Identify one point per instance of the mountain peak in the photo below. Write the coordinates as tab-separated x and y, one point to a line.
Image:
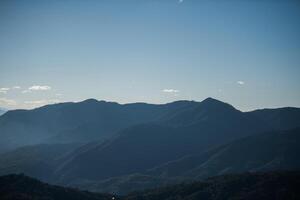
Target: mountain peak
214	103
90	101
210	99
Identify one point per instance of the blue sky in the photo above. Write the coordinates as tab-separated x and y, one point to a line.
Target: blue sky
243	52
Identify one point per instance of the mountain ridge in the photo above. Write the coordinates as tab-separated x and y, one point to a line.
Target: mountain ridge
274	185
123	142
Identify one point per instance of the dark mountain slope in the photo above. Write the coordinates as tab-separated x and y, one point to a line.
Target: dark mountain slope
182	132
264	152
280	118
20	187
217	122
38	161
248	186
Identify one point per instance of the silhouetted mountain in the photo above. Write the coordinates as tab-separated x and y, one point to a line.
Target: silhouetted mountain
254	186
280	118
20	187
248	186
152	144
187	131
38	161
124	185
278	150
75	122
264	152
94	120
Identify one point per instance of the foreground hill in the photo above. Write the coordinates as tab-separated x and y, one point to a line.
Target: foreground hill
248	186
20	187
254	186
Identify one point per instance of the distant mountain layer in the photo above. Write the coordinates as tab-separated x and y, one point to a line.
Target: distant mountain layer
76	122
258	186
92	120
108	147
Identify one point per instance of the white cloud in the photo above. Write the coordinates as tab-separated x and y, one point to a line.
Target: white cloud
39	87
16	87
58	94
7	102
240	82
170	90
4	90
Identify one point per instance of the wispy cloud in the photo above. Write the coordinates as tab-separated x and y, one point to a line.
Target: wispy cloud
180	1
35	102
54	101
16	87
39	87
42	102
7	102
170	90
240	82
25	91
4	90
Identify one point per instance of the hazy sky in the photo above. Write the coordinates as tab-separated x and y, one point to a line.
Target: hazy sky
244	52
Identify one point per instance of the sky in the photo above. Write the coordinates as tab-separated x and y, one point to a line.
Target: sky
244	52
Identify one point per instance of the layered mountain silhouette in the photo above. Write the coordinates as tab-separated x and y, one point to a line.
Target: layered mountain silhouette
109	147
259	186
277	150
37	160
94	120
13	187
138	148
77	122
271	185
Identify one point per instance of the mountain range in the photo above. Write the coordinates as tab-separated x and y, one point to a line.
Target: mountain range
110	147
246	186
